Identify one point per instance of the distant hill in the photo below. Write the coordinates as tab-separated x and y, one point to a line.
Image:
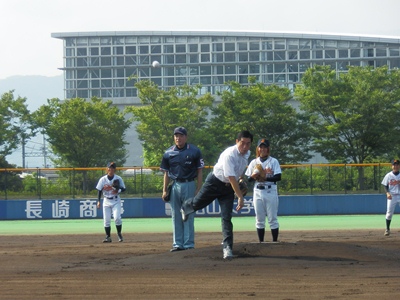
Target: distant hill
35	88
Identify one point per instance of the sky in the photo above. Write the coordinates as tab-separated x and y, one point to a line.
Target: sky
27	47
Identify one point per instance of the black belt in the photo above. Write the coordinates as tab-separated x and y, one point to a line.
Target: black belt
220	181
112	198
184	180
263	187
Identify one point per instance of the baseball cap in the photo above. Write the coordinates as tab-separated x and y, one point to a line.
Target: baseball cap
180	130
111	165
395	162
264	142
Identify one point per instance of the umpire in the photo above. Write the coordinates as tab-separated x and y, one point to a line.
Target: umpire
182	163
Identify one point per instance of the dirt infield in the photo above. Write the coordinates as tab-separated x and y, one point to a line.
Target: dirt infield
304	265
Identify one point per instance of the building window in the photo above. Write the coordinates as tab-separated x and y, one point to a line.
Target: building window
168	49
355	53
279	44
242	46
81	52
155	49
343	53
229	57
292	55
305	54
180	59
180	48
381	52
119	50
194	58
217	47
229	47
279	55
94	51
105	50
394	52
243	56
330	53
205	47
254	56
254	46
317	54
205	57
193	48
130	50
70	52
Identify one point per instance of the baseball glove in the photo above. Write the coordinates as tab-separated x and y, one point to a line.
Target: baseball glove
167	197
258	173
116	185
242	186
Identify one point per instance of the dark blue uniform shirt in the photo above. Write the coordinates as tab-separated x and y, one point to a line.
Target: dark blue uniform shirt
182	164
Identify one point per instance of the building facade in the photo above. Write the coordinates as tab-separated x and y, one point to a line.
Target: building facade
102	64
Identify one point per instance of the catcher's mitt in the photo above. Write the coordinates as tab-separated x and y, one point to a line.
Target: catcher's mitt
115	184
242	186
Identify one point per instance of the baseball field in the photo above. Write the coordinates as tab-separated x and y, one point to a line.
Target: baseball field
318	257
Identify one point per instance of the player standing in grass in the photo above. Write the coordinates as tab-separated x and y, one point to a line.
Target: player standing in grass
111	185
391	182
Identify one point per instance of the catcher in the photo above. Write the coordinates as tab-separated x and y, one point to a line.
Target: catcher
265	171
222	183
111	185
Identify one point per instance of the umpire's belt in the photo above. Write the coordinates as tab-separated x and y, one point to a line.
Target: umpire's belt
184	180
263	187
112	198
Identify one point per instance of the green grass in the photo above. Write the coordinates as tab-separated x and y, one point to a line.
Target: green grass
202	224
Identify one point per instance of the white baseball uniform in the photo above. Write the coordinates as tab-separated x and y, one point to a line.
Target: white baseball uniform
265	194
393	182
112	200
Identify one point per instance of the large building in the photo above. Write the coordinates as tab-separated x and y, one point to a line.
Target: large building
100	63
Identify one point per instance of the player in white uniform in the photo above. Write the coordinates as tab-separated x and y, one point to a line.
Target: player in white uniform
111	185
391	182
265	195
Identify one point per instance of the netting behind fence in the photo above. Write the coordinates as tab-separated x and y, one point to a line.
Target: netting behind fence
67	183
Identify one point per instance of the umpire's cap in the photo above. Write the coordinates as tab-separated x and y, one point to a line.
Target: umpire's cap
180	130
395	162
264	142
111	165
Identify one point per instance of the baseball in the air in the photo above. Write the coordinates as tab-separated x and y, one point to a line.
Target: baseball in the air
155	64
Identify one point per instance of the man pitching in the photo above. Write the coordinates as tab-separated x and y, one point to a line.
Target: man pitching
111	185
391	182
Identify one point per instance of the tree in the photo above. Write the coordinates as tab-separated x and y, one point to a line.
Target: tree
16	125
84	133
354	114
264	111
162	111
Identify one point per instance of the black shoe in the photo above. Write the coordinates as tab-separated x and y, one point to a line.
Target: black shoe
120	238
107	240
176	249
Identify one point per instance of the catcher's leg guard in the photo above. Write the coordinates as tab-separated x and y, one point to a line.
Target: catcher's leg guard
275	233
261	233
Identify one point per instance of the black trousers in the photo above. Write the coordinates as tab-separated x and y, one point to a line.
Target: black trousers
214	189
